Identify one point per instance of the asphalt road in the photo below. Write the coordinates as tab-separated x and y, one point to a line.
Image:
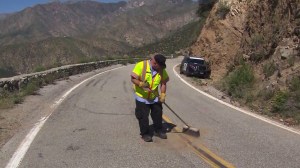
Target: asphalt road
93	125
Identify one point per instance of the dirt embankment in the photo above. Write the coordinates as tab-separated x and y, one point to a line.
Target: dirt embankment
220	39
264	34
247	30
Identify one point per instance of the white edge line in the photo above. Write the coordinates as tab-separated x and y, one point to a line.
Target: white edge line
19	154
22	149
238	109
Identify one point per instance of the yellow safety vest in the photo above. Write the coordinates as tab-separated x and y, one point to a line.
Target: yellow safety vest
142	71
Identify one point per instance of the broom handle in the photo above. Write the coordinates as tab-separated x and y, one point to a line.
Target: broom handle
175	114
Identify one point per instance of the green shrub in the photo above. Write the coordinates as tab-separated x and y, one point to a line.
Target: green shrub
239	81
49	79
269	69
223	9
82	60
256	40
230	68
288	105
109	57
55	65
257	55
40	68
295	89
31	87
291	61
5	102
266	94
295	84
131	61
17	99
291	113
9	99
280	99
249	97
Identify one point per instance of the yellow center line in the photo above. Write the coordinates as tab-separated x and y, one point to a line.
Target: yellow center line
201	151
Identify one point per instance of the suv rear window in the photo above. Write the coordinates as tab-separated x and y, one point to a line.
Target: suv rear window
198	61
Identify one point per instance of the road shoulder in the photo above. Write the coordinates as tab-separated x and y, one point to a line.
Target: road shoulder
206	86
23	116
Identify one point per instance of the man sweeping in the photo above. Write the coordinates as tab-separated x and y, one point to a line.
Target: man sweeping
149	77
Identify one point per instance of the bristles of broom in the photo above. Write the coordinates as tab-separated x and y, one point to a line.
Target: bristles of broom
191	131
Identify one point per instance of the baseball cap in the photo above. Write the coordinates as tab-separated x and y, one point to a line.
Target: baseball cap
161	60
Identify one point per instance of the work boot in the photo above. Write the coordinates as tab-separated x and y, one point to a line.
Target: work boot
147	138
161	134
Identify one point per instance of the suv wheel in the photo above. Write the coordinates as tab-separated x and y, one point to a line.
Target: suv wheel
207	75
180	71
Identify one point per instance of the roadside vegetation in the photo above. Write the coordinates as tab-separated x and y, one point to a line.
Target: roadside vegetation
242	85
223	9
240	82
9	99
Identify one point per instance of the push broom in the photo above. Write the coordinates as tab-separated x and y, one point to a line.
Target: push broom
187	129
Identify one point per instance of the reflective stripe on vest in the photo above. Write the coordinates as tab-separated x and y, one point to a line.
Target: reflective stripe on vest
144	71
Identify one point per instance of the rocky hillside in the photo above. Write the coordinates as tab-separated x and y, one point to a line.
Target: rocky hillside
86	30
255	46
3	16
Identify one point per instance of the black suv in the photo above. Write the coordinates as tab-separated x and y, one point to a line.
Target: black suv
195	66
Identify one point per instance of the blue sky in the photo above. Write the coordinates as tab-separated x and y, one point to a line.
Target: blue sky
9	6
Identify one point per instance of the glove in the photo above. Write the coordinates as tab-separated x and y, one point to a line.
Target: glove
144	84
162	97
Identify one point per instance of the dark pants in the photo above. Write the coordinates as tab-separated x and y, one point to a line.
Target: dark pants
142	112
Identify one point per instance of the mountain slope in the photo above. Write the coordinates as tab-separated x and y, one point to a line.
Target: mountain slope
105	28
47	53
54	19
175	41
146	23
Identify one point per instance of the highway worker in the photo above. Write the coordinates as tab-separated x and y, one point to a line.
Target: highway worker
147	76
